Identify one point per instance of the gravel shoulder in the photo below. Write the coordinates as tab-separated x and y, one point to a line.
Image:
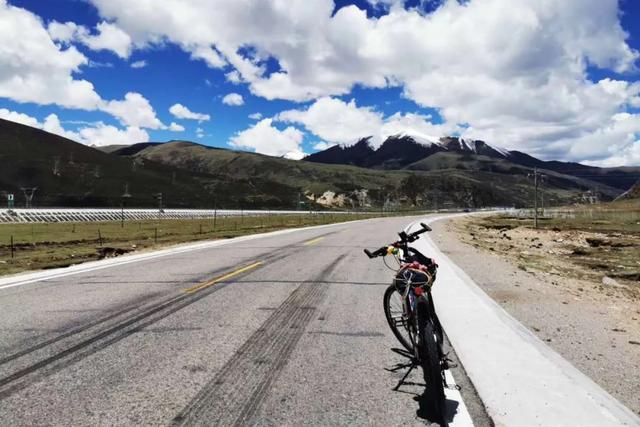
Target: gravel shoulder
595	329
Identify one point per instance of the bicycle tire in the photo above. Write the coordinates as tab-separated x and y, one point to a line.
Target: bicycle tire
429	352
393	321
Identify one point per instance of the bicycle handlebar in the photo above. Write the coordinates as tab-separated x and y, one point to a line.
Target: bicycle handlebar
404	239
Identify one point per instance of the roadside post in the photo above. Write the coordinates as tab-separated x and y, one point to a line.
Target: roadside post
10	201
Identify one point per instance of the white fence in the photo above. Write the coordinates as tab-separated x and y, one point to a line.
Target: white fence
86	215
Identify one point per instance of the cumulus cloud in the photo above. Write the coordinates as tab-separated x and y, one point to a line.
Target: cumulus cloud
265	138
182	112
103	134
233	99
109	36
339	122
513	70
34	69
21	118
175	127
233	77
255	116
135	110
322	145
139	64
96	134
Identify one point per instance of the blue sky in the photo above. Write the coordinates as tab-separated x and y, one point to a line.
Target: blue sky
427	78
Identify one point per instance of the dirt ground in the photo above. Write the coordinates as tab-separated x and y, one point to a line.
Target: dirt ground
590	318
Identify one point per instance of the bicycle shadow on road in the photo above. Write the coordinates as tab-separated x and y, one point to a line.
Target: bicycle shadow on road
425	411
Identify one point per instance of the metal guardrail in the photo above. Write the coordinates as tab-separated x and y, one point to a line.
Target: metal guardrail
89	215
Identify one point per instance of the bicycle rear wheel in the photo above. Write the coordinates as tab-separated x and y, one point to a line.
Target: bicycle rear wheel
393	312
429	352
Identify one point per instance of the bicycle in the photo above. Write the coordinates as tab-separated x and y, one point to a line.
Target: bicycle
410	312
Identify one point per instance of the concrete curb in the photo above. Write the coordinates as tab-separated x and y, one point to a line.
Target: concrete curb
519	378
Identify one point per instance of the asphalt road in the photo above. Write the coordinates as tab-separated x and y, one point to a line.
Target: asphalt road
280	330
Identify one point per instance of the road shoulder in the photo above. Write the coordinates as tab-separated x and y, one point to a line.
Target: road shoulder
592	336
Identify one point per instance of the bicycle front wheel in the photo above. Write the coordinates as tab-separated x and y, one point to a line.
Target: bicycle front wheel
429	352
395	316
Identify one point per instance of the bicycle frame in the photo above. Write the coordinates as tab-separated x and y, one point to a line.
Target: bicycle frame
415	306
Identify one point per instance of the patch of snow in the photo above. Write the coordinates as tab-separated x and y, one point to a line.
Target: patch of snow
471	145
502	151
422	139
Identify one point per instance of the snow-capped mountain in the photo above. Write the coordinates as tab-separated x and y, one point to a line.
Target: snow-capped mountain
418	152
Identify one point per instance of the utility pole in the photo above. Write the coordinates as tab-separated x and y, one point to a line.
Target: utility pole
159	197
29	192
124	196
537	178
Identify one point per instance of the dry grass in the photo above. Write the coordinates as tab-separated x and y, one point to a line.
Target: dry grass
579	242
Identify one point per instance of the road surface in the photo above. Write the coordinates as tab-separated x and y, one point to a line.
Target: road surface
285	329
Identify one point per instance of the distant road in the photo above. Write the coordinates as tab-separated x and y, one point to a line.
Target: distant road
281	329
97	214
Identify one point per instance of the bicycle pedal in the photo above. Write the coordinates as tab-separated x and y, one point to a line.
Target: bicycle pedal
449	365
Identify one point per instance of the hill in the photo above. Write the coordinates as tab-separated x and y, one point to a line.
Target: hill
631	194
67	173
416	185
191	175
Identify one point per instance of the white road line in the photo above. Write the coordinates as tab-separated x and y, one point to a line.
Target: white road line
461	418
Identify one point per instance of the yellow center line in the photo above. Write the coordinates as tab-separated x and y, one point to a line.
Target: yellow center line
219	279
311	242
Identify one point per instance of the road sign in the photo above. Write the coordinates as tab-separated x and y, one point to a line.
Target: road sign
10	201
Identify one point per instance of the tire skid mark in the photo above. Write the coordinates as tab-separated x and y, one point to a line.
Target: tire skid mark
69	333
235	394
83	345
59	352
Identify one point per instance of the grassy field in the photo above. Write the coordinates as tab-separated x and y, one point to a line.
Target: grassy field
50	245
596	243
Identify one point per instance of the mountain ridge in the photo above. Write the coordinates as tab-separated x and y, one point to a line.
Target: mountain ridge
403	151
188	174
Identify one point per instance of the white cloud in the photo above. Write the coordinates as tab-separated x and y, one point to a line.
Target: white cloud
109	36
63	32
209	55
233	77
255	116
199	132
34	69
182	112
233	99
139	64
107	135
97	134
175	127
322	145
135	110
514	70
18	117
265	138
338	122
52	125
